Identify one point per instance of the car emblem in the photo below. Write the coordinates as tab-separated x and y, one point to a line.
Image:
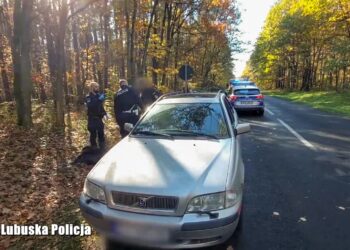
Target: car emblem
142	202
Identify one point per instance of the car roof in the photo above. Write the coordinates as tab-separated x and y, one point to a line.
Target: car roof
195	97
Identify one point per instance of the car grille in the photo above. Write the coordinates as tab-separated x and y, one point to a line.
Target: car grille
144	201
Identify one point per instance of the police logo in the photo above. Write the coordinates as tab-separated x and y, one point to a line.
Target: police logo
122	91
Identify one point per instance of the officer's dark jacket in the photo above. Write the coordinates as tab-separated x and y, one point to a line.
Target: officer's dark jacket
149	95
94	103
125	99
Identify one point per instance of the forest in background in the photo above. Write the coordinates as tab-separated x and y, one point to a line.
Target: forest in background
51	49
304	45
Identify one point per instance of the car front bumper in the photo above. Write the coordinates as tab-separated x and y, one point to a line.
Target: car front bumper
188	231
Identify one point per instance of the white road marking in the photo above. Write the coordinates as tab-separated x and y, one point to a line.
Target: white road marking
297	135
269	111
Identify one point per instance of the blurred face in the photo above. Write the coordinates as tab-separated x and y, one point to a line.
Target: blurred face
122	83
95	88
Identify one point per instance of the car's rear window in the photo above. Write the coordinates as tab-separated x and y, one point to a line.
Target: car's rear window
247	92
242	83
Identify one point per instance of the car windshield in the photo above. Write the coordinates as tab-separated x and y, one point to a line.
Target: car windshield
184	119
247	92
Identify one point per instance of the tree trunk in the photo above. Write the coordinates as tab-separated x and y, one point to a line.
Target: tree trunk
337	74
148	33
131	45
119	34
344	77
176	61
330	86
6	28
55	36
4	76
127	31
60	58
307	75
106	44
77	63
22	37
168	41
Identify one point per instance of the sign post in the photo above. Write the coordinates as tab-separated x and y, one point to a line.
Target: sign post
186	73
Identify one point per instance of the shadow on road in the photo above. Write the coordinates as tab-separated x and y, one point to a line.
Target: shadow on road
231	244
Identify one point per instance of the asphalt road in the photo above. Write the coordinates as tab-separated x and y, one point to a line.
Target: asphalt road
297	193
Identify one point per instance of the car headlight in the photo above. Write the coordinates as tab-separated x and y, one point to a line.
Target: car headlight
212	202
94	191
206	203
231	198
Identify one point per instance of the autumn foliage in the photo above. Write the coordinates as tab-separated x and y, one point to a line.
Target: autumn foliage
71	42
304	45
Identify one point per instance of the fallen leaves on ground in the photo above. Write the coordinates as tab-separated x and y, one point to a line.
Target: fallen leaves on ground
38	185
302	219
275	214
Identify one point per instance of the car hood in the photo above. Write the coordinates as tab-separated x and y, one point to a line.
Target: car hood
179	167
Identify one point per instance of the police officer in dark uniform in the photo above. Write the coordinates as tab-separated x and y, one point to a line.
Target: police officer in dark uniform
149	95
96	112
126	106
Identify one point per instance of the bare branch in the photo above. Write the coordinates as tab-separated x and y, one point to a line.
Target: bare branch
81	9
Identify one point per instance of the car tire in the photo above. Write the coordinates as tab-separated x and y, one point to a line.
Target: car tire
109	244
260	112
240	222
240	219
112	245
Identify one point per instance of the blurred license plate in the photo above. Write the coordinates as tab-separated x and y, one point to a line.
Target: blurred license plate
246	103
143	233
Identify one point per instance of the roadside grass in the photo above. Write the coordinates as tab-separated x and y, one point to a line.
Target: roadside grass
38	183
329	101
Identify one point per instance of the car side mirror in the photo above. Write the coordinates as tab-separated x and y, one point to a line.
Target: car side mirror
242	128
128	127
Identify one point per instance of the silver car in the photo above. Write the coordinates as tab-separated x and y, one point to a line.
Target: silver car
176	181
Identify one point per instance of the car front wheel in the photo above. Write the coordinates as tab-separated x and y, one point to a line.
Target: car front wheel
260	112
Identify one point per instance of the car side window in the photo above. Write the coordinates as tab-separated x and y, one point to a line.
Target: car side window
229	111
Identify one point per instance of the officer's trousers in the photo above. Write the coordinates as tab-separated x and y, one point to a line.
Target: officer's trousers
96	129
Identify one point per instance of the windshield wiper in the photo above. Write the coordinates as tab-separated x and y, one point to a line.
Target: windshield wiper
187	132
151	133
